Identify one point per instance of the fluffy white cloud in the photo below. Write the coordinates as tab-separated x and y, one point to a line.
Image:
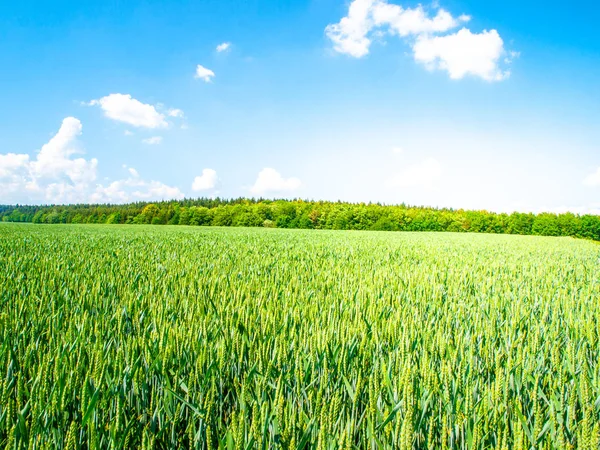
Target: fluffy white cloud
124	108
271	181
405	22
55	176
352	34
14	175
223	47
463	53
208	180
204	74
12	163
592	180
349	35
423	174
154	140
54	159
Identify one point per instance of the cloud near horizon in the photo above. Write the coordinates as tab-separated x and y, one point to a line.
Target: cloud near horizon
134	188
54	176
208	180
269	181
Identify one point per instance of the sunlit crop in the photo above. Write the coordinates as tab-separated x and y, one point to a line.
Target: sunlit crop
177	337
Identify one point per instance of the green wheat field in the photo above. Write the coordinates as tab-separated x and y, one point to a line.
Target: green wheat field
236	338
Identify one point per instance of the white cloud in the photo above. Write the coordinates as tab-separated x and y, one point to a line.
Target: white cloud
592	180
397	150
423	174
154	140
132	189
174	112
204	74
14	176
405	22
351	35
124	108
128	133
54	159
271	181
55	176
208	180
463	53
223	47
11	163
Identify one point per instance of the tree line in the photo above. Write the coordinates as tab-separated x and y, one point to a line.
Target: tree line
298	213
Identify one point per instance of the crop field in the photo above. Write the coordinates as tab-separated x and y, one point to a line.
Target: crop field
180	337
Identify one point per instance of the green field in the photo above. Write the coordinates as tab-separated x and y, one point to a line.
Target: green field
167	337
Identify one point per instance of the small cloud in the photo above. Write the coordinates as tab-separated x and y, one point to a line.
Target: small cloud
271	181
128	133
511	56
593	180
154	140
134	173
397	150
208	180
124	108
223	47
174	112
204	74
425	174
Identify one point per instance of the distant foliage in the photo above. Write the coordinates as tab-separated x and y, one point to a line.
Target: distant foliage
309	214
196	338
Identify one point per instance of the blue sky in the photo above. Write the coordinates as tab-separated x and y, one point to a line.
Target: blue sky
466	104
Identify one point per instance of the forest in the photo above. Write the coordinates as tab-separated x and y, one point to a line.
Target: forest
243	212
